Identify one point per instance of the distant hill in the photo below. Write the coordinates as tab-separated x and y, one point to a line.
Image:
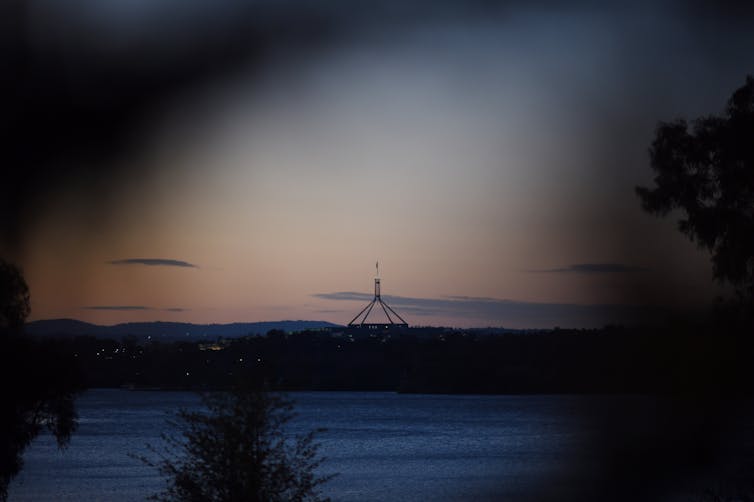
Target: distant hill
167	331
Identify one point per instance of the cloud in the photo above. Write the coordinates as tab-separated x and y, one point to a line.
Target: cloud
117	307
153	262
174	309
593	268
344	295
503	312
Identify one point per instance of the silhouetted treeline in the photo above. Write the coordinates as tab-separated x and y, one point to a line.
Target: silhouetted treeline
665	359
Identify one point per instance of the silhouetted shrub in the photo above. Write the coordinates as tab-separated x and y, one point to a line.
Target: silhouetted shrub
238	450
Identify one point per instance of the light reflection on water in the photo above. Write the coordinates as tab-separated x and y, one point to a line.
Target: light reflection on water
384	446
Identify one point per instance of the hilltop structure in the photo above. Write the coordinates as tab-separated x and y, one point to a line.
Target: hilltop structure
360	321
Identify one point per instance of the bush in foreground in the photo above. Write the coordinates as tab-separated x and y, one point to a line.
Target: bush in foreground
238	450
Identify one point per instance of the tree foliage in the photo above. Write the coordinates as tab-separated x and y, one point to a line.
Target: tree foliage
238	450
14	298
37	384
705	169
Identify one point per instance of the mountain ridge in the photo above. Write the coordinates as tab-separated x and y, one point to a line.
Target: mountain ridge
167	330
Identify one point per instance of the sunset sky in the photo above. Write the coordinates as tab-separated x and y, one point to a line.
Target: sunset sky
485	155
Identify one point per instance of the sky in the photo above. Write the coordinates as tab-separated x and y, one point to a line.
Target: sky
230	161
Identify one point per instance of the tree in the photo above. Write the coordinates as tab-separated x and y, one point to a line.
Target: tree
14	298
38	384
237	450
705	169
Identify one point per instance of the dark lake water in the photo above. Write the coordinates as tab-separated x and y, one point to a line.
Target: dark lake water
384	446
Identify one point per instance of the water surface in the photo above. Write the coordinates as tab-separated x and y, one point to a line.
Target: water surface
384	446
